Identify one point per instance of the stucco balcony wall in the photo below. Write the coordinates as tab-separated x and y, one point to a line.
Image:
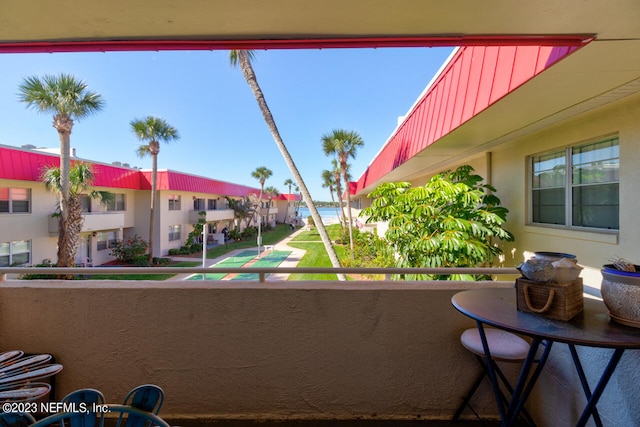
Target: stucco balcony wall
301	350
212	215
93	222
251	350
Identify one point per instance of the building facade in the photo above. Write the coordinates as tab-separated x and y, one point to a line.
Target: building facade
30	224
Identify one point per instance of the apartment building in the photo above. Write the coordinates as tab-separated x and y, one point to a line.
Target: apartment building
30	226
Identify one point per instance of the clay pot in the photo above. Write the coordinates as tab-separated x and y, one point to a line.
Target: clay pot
621	294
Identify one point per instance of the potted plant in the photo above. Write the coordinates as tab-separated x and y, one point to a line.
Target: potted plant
621	291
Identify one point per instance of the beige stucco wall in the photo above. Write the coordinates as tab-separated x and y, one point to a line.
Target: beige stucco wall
284	350
32	226
252	350
593	248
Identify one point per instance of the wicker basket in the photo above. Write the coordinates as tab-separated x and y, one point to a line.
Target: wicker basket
560	301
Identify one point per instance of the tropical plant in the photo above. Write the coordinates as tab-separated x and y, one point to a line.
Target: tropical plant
69	100
130	251
153	130
448	222
244	208
338	179
329	181
343	144
243	59
289	183
80	180
261	173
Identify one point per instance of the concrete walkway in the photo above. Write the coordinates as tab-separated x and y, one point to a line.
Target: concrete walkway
291	260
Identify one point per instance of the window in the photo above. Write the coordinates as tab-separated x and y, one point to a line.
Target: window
15	253
174	203
588	196
212	204
106	240
198	205
117	204
15	200
85	202
174	232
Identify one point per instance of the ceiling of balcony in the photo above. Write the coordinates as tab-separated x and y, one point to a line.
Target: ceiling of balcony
74	20
596	74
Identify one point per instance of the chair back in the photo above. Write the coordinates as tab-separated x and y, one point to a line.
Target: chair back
121	414
147	397
16	419
83	401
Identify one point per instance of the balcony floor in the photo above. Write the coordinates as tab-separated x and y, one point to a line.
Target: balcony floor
330	423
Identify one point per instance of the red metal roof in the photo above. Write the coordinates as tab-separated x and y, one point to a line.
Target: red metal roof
178	181
27	165
291	197
475	78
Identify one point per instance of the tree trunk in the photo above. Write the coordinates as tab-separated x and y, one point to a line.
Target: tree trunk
349	212
64	244
152	210
250	77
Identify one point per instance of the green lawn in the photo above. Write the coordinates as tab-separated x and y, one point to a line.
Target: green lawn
313	236
142	276
316	256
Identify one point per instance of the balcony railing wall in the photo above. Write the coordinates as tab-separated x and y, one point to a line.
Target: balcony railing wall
308	350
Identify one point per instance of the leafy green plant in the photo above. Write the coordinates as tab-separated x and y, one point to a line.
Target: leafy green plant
451	221
127	251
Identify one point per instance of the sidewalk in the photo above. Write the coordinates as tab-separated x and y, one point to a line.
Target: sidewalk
291	261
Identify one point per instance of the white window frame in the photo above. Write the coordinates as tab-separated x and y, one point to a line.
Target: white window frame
569	186
174	232
11	198
118	204
8	250
175	202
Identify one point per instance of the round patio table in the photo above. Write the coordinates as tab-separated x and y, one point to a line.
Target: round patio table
591	328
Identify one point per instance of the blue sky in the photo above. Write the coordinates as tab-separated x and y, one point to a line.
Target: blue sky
223	135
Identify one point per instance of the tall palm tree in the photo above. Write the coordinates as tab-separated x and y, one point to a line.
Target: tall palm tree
261	173
329	181
80	180
243	59
289	183
338	180
152	130
69	100
343	144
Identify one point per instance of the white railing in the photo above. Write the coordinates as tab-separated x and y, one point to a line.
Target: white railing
262	272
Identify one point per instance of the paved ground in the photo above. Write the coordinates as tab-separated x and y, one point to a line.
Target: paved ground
291	260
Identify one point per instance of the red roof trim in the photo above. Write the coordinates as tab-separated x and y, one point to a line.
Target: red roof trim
309	43
26	165
474	79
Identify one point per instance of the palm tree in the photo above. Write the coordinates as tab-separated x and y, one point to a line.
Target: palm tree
69	100
152	130
80	179
243	59
329	181
343	144
338	180
261	173
289	183
271	192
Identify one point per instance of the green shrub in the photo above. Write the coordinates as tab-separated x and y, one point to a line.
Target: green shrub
161	261
185	250
174	251
127	251
141	261
310	221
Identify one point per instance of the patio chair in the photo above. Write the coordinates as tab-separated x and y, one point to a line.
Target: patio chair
16	419
120	414
504	347
147	397
84	398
